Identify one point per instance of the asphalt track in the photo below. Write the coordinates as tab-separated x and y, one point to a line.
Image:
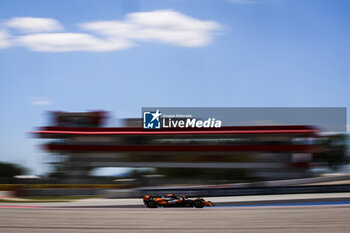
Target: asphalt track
279	214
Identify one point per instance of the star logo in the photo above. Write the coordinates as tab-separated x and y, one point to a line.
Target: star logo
156	115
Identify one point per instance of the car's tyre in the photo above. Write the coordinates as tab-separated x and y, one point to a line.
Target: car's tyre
198	203
152	204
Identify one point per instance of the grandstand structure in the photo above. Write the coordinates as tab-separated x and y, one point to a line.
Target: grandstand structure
84	143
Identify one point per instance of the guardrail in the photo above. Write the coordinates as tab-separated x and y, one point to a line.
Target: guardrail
211	192
12	187
58	189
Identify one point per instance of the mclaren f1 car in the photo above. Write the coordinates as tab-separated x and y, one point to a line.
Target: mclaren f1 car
171	200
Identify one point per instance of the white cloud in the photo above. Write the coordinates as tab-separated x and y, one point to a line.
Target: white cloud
5	39
243	1
165	26
33	25
40	101
63	42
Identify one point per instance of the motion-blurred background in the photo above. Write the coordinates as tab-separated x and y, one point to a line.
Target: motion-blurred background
75	74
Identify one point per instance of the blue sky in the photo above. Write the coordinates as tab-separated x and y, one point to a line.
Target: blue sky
200	53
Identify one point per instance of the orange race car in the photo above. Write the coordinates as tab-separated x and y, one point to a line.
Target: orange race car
171	200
